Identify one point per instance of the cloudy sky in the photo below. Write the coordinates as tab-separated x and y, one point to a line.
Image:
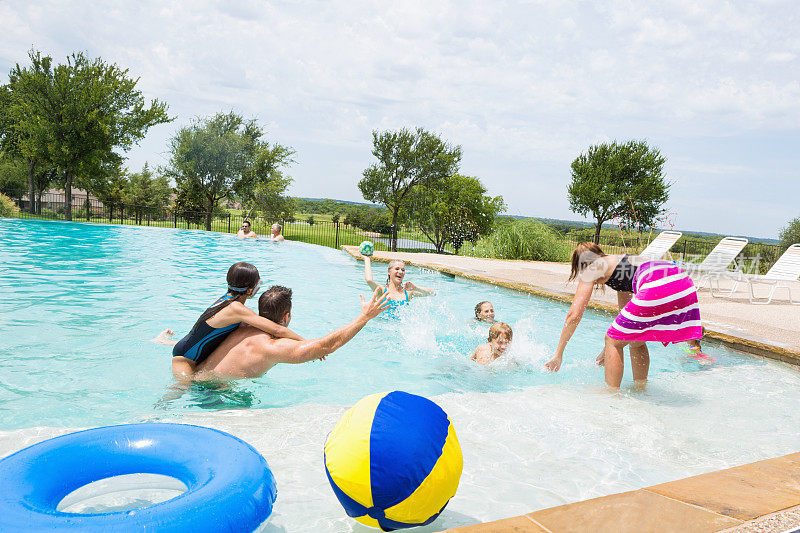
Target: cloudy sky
523	87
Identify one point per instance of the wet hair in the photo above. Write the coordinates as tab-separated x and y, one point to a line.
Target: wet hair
392	262
478	307
500	328
275	303
584	255
247	222
278	226
241	277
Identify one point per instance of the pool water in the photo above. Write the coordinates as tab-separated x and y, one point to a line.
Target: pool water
80	302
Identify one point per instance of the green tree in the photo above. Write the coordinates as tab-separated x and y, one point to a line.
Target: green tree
310	220
791	233
335	218
111	190
223	157
405	159
455	209
375	220
12	176
146	191
86	113
625	180
20	138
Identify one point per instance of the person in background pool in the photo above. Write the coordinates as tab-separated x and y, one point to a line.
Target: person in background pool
399	293
220	320
500	335
484	312
657	302
250	353
275	233
245	232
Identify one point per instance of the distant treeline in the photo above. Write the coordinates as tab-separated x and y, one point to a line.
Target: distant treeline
377	217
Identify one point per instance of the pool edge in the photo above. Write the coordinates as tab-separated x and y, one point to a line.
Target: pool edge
759	496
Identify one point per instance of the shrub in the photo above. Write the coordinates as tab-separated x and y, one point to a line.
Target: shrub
7	207
522	239
791	233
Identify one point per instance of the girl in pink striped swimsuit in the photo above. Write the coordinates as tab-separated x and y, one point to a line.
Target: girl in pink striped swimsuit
657	302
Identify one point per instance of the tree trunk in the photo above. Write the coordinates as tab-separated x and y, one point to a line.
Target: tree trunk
39	202
209	213
393	236
68	196
597	231
31	186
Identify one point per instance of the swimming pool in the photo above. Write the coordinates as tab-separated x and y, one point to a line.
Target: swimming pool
81	300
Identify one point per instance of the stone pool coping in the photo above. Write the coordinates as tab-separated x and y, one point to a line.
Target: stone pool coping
732	331
756	497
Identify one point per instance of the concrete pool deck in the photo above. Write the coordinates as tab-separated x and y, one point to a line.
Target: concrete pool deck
771	330
756	497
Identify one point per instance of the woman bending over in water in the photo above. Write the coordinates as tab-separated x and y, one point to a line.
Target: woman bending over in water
219	321
657	302
399	293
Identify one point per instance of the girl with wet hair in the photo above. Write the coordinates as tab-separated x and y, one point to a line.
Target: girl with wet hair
399	293
219	320
484	312
657	302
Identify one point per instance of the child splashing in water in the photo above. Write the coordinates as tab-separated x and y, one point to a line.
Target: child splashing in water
399	293
219	321
500	335
484	312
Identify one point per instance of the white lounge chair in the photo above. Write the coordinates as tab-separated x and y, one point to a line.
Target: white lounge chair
715	265
661	245
784	272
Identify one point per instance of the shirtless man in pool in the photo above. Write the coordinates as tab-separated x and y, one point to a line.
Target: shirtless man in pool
249	352
246	232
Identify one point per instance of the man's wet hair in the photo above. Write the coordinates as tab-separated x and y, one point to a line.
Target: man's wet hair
275	303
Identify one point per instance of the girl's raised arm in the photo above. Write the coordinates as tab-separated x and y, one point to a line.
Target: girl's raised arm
368	273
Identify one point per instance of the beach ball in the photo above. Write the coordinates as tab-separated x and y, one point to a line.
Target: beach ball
366	248
394	461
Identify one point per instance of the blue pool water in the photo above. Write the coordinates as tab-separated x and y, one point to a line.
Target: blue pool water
80	301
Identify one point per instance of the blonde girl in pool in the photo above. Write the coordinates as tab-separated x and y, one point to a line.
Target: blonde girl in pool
399	293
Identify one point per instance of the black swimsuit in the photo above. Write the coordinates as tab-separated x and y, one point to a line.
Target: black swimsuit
622	278
203	339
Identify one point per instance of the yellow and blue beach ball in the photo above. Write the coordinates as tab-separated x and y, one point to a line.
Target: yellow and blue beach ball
394	461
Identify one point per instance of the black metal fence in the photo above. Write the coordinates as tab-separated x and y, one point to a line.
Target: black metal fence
755	258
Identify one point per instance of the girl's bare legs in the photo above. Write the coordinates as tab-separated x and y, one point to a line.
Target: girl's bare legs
613	362
640	363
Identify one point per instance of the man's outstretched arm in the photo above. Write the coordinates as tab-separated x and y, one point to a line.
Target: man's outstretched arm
291	351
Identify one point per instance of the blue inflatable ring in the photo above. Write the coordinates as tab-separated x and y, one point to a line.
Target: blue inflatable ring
229	484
